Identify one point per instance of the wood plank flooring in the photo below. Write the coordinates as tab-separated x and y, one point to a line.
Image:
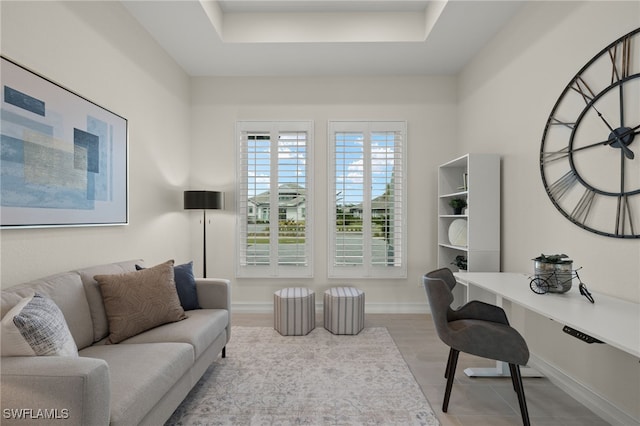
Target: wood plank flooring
474	401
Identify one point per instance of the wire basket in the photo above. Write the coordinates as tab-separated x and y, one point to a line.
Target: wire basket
557	275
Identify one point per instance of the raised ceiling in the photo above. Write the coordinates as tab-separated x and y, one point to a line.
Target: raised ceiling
329	37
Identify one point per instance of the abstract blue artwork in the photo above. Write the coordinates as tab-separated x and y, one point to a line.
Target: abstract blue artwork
63	158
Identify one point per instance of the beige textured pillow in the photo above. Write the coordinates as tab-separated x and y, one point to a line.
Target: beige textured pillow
138	301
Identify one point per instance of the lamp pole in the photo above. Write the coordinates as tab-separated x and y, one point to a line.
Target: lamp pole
204	200
204	243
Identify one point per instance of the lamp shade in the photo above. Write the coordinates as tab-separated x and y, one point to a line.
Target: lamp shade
203	200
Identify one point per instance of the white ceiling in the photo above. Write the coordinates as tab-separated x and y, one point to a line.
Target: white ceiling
328	37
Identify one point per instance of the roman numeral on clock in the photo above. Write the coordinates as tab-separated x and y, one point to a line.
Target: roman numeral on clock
624	216
549	157
555	122
583	208
621	60
561	186
581	86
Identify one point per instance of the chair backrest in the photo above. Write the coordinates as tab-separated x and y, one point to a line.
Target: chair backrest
438	285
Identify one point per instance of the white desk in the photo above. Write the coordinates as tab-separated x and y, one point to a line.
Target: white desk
611	320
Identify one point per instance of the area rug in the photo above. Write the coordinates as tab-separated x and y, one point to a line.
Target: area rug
317	379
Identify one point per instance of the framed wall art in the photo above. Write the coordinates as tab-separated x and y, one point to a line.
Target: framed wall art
63	158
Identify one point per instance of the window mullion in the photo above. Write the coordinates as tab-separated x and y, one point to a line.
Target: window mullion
274	208
367	235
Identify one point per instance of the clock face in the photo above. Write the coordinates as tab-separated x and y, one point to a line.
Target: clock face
590	152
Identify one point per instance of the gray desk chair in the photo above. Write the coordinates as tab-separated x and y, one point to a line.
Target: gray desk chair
476	328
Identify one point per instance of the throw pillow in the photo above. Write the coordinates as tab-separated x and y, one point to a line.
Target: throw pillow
34	327
185	285
138	301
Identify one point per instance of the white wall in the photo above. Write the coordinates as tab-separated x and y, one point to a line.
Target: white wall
428	105
98	50
505	97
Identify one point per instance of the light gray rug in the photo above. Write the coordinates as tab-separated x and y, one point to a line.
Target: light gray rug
317	379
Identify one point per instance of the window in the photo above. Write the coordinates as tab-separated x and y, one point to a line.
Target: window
367	197
274	199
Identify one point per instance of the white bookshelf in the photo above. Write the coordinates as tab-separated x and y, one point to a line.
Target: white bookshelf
475	178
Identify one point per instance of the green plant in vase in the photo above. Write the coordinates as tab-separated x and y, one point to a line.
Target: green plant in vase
458	204
461	262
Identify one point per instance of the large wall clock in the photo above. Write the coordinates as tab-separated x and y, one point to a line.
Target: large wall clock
590	152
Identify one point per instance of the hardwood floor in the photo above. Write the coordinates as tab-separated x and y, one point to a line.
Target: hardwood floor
474	401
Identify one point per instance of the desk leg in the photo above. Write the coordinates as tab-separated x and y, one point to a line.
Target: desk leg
500	370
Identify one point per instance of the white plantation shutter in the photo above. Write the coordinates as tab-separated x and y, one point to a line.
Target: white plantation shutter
367	199
274	199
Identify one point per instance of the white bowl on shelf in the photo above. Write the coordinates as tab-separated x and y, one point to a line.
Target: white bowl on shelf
458	232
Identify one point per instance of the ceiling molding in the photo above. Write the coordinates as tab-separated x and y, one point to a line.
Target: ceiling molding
329	37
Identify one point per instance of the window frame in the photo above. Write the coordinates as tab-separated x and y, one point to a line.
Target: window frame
274	269
368	269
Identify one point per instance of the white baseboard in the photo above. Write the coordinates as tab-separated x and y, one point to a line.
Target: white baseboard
370	308
581	393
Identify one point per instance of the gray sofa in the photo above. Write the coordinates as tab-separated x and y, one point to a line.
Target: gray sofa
141	380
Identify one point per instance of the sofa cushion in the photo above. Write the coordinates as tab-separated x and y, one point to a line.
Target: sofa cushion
200	329
67	291
185	285
36	326
141	375
140	300
94	295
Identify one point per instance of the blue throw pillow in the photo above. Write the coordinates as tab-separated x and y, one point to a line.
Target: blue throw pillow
185	285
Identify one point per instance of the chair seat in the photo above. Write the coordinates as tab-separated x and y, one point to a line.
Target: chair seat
488	340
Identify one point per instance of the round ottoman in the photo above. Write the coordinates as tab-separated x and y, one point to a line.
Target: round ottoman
294	311
344	310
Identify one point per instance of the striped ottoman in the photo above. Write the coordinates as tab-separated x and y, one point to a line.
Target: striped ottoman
294	311
344	310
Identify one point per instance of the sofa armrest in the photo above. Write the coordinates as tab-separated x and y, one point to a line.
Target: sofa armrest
55	390
214	293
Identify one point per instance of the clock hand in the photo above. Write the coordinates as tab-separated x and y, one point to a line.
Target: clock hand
616	140
627	152
621	105
629	132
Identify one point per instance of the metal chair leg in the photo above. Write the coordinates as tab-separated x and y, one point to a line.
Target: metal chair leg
517	381
451	372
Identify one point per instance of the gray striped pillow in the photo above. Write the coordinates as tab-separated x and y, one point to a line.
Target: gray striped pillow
43	328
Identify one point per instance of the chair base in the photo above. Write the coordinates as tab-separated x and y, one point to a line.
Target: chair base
501	370
516	379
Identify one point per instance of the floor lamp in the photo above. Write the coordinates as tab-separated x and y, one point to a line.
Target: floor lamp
203	200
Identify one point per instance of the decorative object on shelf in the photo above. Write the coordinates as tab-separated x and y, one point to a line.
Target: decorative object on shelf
458	232
64	158
553	273
458	204
461	262
204	200
465	182
591	129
